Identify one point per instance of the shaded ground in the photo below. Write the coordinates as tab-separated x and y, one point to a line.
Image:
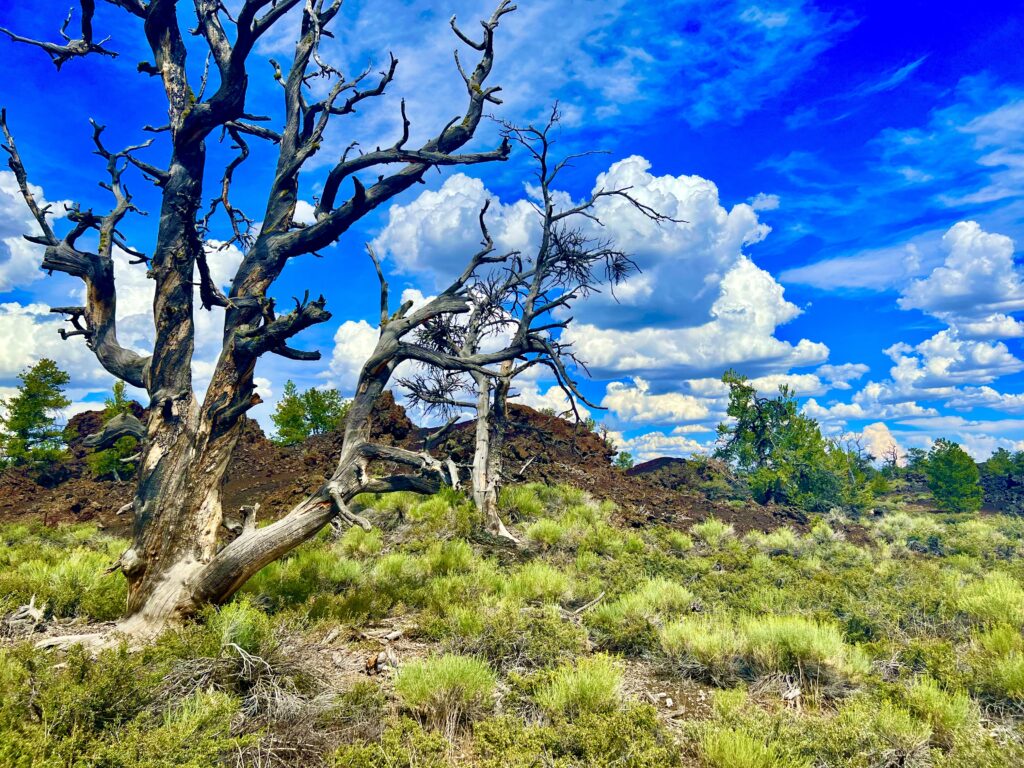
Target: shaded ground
539	448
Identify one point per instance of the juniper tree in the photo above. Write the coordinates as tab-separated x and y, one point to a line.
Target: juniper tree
178	558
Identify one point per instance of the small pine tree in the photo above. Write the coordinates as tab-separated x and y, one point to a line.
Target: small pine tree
953	477
115	461
289	416
29	434
301	414
624	460
325	410
118	403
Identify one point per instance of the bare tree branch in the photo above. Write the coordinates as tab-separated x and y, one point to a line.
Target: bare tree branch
72	48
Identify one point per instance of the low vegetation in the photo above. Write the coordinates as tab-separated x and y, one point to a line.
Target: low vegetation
889	640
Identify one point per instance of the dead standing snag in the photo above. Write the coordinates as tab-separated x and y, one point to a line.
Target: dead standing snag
176	561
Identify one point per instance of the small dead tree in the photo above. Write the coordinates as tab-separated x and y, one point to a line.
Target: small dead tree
177	560
521	306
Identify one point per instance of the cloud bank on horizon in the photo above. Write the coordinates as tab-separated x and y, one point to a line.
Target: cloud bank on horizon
846	224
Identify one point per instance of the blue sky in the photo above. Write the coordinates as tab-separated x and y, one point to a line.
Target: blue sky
851	176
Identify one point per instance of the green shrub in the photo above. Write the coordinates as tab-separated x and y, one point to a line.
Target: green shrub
868	732
446	691
679	542
995	599
948	713
591	685
447	557
539	582
196	733
522	502
723	651
703	646
308	571
736	748
630	737
629	623
713	532
359	542
70	582
402	745
546	533
113	462
781	541
997	660
240	623
398	577
510	635
795	644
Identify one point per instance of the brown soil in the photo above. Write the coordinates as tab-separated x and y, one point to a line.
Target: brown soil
539	448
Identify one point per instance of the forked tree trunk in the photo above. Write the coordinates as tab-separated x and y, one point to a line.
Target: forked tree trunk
176	561
178	517
491	419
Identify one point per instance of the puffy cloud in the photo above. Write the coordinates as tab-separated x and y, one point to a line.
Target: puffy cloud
698	306
867	405
879	442
986	397
740	333
354	341
635	404
764	202
30	333
435	235
945	359
840	376
802	384
19	259
975	288
533	394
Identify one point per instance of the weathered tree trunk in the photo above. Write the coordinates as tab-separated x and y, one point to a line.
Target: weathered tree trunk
491	418
176	561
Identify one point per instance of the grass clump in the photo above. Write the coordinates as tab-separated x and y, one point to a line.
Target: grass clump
521	502
949	713
788	644
546	533
736	748
996	658
724	651
510	635
307	572
359	542
447	557
995	599
630	737
591	686
64	568
630	623
713	532
446	691
538	582
703	646
781	541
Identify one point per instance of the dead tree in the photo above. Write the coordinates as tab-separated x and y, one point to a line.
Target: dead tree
177	561
525	296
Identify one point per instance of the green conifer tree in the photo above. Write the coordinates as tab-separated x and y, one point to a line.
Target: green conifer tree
29	434
953	477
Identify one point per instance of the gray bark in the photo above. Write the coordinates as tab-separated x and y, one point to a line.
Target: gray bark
175	562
